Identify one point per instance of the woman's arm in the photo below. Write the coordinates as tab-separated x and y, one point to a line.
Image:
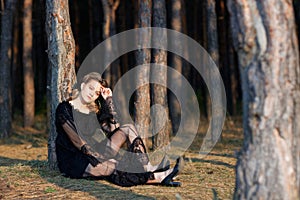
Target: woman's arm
80	144
64	120
73	136
108	116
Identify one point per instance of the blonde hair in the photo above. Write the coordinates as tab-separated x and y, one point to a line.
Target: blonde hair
93	106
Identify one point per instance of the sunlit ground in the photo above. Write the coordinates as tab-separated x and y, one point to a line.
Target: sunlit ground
24	172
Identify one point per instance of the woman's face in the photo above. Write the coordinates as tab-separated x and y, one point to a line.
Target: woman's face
90	91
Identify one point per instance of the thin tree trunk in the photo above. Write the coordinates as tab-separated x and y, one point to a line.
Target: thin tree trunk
112	73
186	67
234	75
91	23
106	29
5	69
39	46
176	63
75	23
27	65
160	131
264	36
143	57
212	41
61	54
16	77
124	25
97	18
224	64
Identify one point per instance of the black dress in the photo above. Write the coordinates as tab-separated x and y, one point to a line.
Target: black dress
71	161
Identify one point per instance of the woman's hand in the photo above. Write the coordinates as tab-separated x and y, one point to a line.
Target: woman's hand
106	92
91	155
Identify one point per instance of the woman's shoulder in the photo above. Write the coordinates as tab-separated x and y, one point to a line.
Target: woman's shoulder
63	105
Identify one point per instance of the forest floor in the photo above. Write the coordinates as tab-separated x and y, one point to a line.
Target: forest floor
24	172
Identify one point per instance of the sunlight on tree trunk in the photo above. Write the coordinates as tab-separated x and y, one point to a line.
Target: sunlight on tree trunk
61	54
176	63
159	75
143	57
265	37
29	98
212	42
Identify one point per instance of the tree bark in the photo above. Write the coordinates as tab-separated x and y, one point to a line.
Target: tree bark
61	55
5	69
265	38
29	100
161	132
17	76
75	24
224	64
143	57
109	28
297	16
176	63
212	41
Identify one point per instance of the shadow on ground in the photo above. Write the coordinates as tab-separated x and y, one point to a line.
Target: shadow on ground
214	162
19	168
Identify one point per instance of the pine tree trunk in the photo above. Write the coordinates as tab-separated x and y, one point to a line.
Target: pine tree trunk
91	23
234	76
143	57
29	100
109	29
75	23
16	79
5	69
39	54
176	63
106	34
61	55
264	36
297	16
212	41
224	64
160	131
97	19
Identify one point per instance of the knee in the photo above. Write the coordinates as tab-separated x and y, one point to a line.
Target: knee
128	126
102	169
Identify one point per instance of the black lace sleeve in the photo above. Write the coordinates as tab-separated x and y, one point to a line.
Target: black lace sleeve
107	110
64	120
107	116
68	137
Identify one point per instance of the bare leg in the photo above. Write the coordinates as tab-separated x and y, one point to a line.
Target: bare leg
102	169
130	131
126	133
115	143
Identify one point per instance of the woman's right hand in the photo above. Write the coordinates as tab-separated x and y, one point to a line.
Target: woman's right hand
91	155
106	92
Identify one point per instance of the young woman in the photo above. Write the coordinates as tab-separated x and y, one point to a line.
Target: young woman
82	152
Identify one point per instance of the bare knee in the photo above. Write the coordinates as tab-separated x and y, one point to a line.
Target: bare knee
102	169
130	131
128	127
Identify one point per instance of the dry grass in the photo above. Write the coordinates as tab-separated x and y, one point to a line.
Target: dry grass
24	173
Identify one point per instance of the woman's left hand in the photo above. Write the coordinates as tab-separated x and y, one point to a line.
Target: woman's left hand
106	92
